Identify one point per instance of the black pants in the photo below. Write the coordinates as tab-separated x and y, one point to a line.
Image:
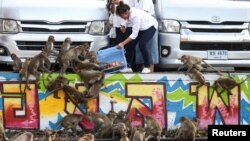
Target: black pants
142	39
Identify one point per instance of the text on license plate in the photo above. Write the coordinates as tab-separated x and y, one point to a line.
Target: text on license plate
217	54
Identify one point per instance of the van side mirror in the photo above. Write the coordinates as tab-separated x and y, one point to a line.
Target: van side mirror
154	1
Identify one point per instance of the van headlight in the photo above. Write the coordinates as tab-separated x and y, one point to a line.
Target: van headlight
99	28
171	26
9	26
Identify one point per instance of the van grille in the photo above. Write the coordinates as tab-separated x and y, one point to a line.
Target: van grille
58	27
39	45
210	23
215	46
218	30
208	27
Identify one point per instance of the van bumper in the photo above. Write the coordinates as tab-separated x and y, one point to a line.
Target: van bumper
172	42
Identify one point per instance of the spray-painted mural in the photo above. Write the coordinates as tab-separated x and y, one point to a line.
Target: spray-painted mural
165	96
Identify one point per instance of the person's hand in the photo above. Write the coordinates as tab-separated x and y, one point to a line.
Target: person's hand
115	1
120	45
123	28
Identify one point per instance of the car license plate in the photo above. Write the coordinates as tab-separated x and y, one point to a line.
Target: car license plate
217	54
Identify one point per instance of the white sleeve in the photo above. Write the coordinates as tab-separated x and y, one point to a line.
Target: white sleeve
111	19
146	5
136	22
123	22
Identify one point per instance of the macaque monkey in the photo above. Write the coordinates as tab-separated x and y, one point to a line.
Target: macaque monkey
102	124
91	56
87	137
93	91
23	72
70	121
85	65
64	48
191	61
36	63
66	45
73	54
2	132
226	84
26	136
187	130
122	129
138	134
17	63
121	117
74	94
198	76
152	127
90	76
124	135
49	46
196	122
56	85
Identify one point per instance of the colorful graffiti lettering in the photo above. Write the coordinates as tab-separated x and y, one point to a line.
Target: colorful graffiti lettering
20	110
165	96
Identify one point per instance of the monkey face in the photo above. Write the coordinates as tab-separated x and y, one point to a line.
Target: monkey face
68	40
182	119
122	115
184	59
13	56
51	38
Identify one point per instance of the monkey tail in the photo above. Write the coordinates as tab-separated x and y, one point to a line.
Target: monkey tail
53	91
219	72
26	80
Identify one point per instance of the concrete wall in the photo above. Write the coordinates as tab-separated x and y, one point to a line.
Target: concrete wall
167	96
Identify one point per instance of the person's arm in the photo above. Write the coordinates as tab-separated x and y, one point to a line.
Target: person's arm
115	1
112	8
122	44
135	31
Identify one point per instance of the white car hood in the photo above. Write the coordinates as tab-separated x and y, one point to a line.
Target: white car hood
204	10
54	10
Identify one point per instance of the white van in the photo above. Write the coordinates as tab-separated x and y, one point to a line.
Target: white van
26	24
216	30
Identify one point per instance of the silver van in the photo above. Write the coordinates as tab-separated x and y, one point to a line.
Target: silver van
216	30
26	24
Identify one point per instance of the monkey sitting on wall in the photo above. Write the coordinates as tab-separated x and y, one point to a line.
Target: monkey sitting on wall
36	64
194	62
198	76
17	63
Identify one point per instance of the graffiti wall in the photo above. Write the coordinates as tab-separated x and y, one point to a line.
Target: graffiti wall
166	96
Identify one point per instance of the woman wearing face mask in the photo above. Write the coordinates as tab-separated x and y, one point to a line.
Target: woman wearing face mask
143	28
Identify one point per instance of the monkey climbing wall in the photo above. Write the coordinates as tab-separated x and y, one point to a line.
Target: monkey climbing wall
167	96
